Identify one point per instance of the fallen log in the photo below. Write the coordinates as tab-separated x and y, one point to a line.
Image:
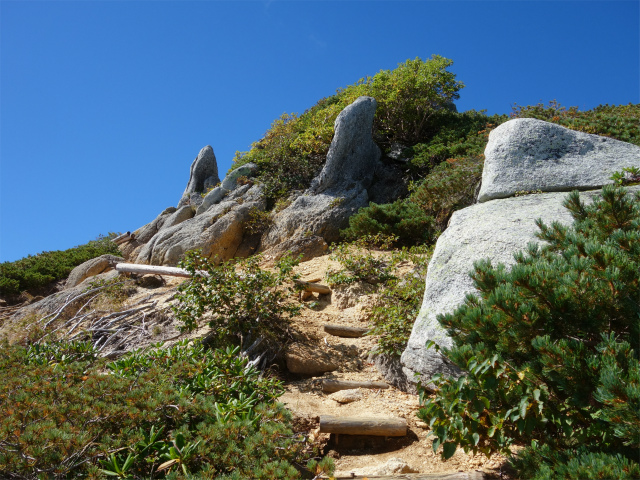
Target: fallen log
347	332
420	476
152	270
123	238
313	287
330	386
384	427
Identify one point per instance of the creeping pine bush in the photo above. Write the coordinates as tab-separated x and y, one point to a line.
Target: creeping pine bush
165	412
550	348
37	271
243	302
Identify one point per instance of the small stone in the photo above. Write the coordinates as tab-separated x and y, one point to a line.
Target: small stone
346	396
422	425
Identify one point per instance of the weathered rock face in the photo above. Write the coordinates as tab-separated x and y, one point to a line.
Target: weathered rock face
352	153
341	187
526	154
516	160
215	224
91	268
218	232
204	174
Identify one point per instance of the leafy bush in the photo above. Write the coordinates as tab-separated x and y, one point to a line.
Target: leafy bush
176	410
551	348
424	215
359	264
399	301
37	271
402	219
244	302
293	151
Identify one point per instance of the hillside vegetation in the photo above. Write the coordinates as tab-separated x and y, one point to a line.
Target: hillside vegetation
36	271
201	411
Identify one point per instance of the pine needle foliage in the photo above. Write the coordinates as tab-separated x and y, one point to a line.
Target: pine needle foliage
183	411
551	347
37	271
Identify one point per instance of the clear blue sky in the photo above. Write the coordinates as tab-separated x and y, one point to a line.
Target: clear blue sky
104	105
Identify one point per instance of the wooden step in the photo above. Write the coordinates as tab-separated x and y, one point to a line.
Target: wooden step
347	332
330	386
420	476
383	427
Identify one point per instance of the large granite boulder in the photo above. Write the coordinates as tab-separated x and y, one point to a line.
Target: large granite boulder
526	154
229	183
341	187
203	175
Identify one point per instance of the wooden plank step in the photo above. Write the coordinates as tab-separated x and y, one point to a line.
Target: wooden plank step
384	427
330	386
347	332
420	476
313	287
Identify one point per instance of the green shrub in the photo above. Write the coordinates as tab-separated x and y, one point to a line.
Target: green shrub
551	347
243	302
399	301
359	264
424	215
402	219
37	271
165	411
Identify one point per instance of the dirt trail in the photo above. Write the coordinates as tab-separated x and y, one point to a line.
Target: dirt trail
305	399
304	396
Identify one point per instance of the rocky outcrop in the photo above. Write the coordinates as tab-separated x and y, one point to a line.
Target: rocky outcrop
218	232
496	229
341	187
526	154
215	224
91	268
203	175
229	183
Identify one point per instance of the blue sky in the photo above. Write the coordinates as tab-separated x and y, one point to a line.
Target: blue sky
104	104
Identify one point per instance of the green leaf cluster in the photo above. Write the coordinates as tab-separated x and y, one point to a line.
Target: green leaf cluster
37	271
182	411
550	347
243	303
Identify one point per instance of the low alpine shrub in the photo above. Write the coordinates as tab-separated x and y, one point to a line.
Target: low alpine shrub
37	271
177	411
243	302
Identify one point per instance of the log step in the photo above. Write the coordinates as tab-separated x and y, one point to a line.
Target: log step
347	332
313	287
384	427
330	386
419	476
